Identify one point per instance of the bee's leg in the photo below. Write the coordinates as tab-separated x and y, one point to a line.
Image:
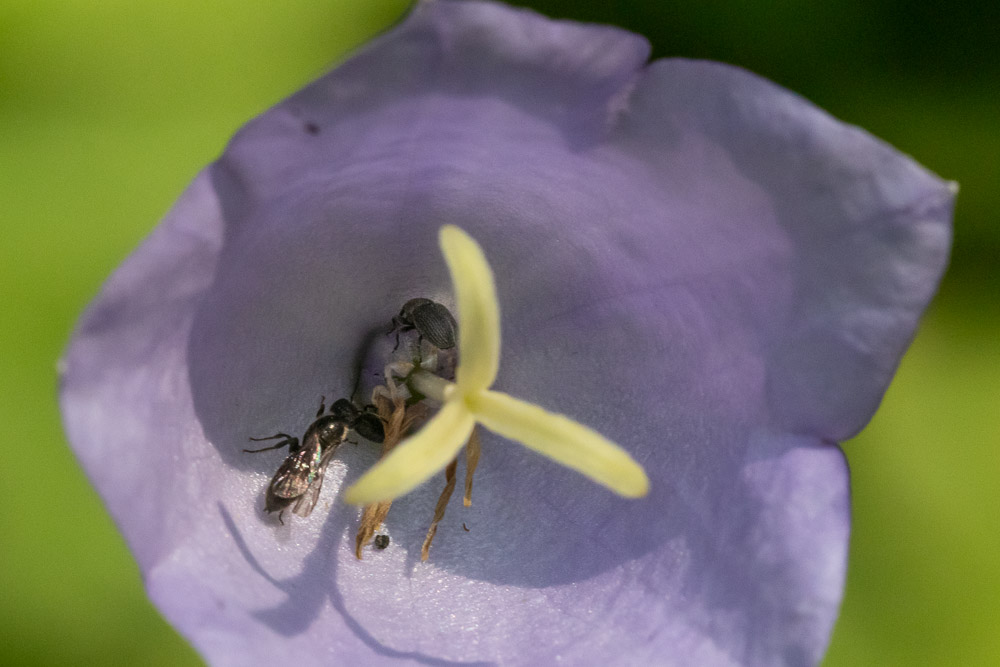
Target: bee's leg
399	328
322	407
396	326
291	442
272	437
418	355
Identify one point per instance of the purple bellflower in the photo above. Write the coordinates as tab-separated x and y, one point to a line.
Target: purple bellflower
697	264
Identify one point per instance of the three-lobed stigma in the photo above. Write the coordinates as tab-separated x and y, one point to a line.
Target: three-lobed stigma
469	401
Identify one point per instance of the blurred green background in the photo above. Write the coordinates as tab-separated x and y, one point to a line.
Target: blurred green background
109	107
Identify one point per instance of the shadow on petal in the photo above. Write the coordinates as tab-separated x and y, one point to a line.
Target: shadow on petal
306	599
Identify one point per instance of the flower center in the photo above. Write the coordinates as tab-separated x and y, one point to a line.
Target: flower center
470	401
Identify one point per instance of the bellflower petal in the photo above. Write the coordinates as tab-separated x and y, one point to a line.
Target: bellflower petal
701	266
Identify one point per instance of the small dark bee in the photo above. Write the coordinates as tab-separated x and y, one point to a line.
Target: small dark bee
430	319
300	476
381	541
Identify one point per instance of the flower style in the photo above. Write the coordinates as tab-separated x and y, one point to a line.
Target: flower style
470	399
698	264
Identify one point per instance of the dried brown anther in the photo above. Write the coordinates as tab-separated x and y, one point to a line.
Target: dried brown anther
391	402
398	422
471	460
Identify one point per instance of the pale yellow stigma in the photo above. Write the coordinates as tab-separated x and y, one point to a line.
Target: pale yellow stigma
469	400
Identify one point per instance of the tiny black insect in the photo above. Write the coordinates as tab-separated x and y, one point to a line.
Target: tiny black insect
381	541
430	319
300	476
